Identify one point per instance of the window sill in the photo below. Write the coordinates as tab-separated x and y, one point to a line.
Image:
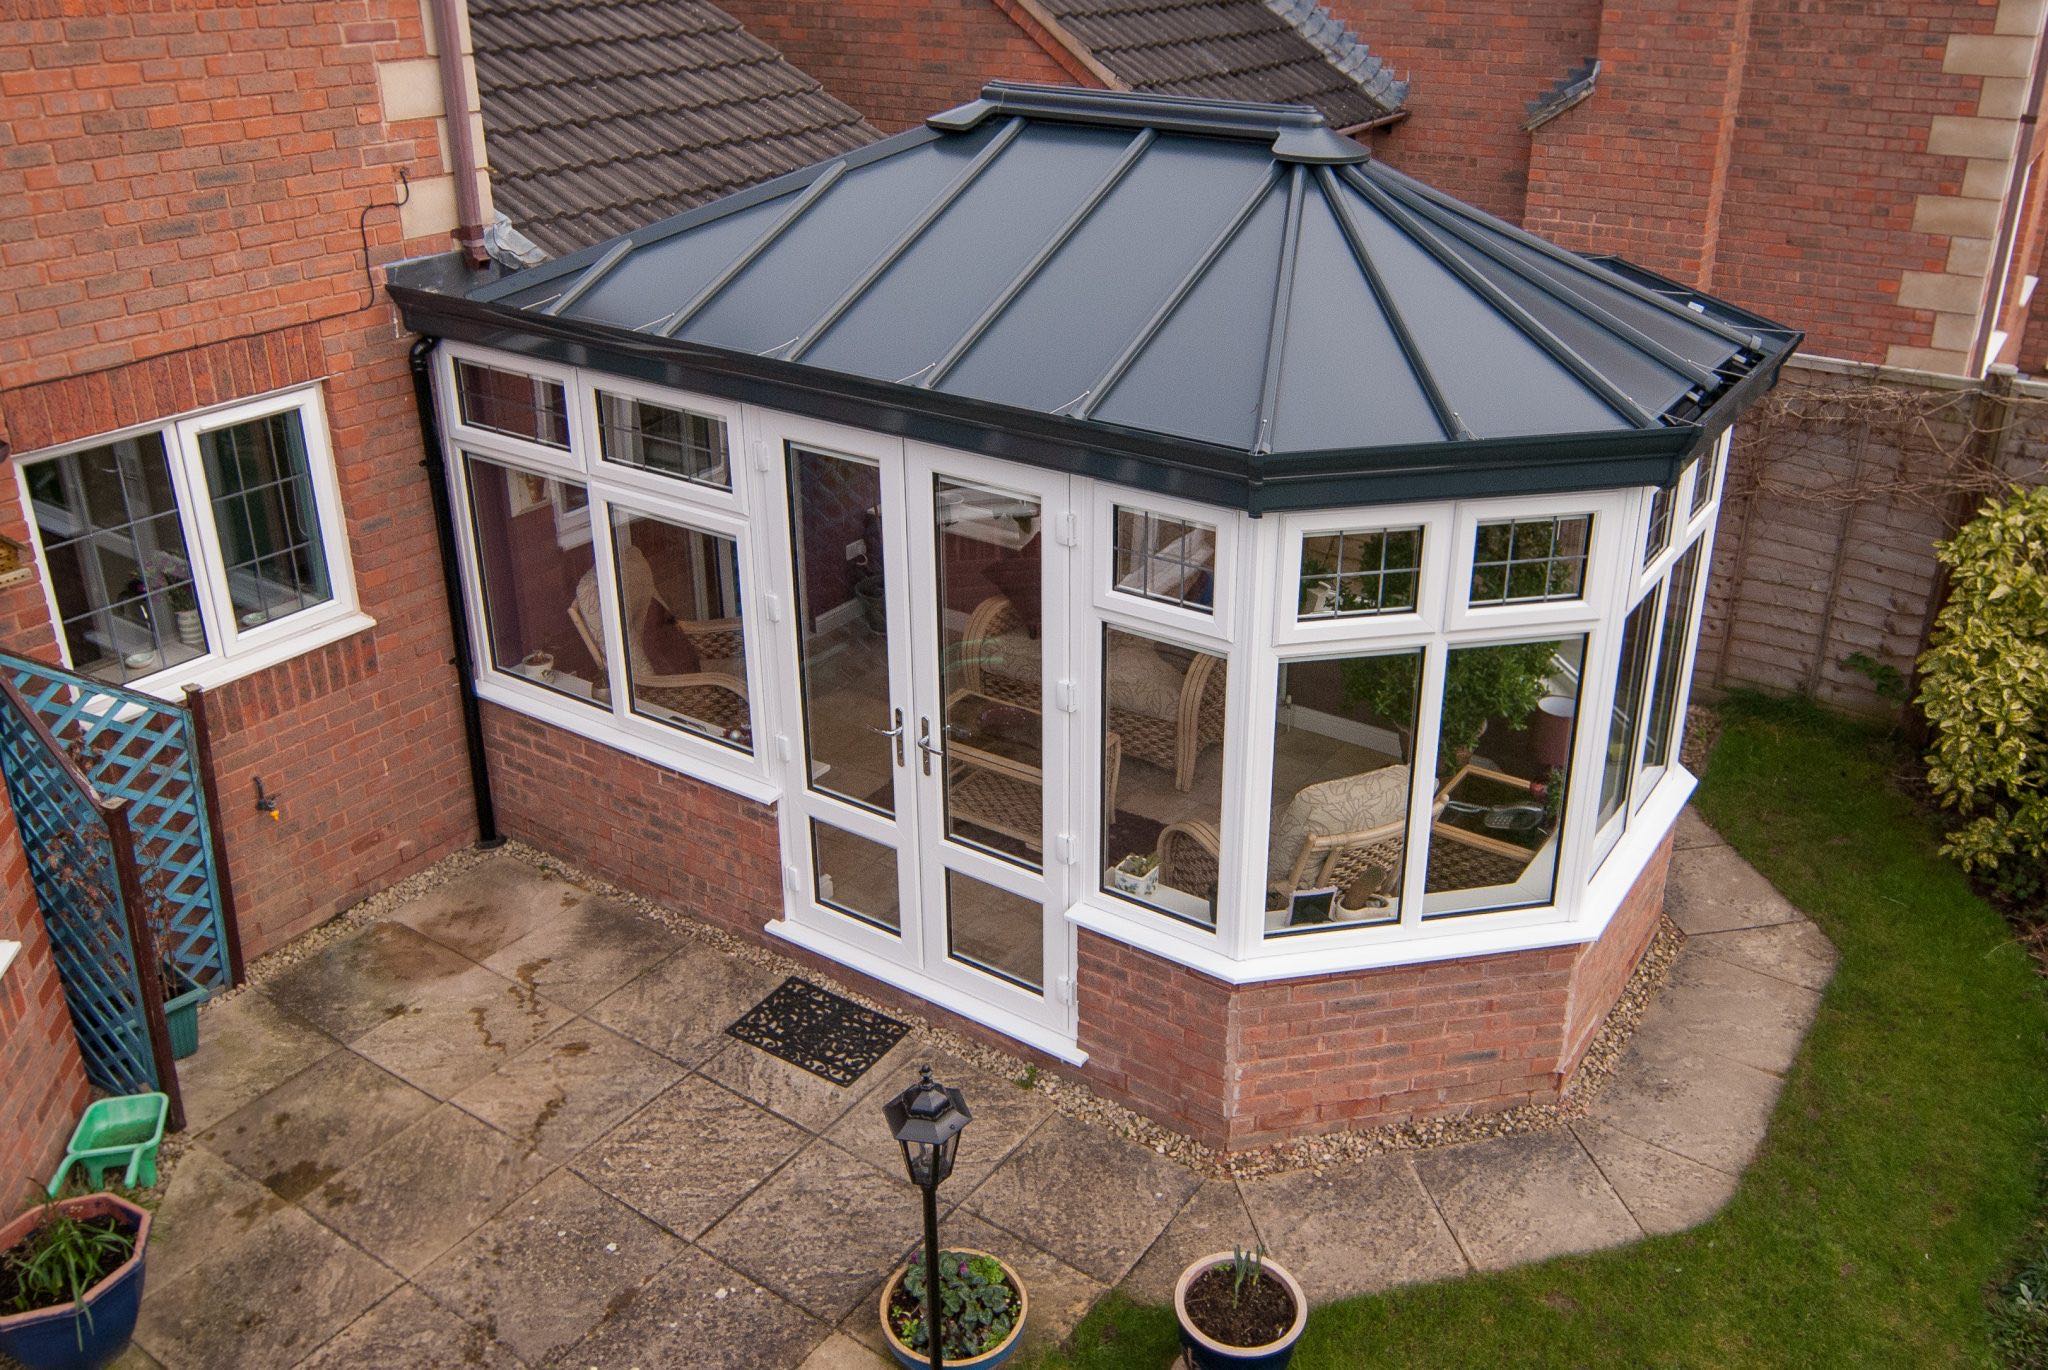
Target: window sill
210	674
1436	940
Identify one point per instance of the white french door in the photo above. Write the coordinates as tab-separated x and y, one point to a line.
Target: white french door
925	643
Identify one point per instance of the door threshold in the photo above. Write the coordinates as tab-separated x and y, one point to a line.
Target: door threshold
1034	1035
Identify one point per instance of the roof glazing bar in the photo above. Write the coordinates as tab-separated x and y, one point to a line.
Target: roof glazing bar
809	196
1446	417
1086	403
795	349
591	275
1615	397
1476	240
1410	186
1283	299
1038	260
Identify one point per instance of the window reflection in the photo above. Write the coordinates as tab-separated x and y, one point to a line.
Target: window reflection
679	606
533	552
1625	718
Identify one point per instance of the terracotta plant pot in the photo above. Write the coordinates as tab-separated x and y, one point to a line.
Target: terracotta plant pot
987	1360
1206	1353
62	1338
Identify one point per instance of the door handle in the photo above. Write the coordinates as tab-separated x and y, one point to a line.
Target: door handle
924	743
894	734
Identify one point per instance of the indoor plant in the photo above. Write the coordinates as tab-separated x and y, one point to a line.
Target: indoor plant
71	1281
1480	684
1237	1309
984	1310
1136	874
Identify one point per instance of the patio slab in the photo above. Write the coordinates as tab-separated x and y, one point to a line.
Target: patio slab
1511	1200
474	1022
1796	952
1712	889
207	1206
1004	1115
682	1005
810	1101
492	906
593	948
569	1088
1705	1107
700	1313
1213	1219
543	1272
1664	1191
1090	1198
1741	1014
248	1046
411	1330
348	988
308	1129
689	1156
1354	1229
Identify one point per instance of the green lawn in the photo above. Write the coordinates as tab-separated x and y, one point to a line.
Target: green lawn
1899	1178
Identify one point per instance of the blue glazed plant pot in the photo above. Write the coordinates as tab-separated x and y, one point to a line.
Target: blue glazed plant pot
62	1338
1206	1353
987	1360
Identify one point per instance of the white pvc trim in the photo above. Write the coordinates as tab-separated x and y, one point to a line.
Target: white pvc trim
8	951
930	989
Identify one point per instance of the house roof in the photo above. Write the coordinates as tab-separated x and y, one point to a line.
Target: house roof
1275	51
601	116
1225	300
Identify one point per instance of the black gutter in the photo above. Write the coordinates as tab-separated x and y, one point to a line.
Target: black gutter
435	465
1206	472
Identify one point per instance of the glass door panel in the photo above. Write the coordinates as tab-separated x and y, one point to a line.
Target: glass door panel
990	662
996	930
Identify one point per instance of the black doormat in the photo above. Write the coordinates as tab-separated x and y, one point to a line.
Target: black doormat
816	1030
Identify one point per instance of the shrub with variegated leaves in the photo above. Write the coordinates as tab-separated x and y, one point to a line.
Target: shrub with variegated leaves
1984	693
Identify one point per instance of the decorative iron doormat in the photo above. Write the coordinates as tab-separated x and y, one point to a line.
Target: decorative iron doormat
814	1029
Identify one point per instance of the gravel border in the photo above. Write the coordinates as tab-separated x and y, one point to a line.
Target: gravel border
1069	1096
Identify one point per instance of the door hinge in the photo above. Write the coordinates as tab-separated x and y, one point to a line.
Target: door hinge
760	446
1068	695
782	747
1070	529
1063	988
1067	848
774	603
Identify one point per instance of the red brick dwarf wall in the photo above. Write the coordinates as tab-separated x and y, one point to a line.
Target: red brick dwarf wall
1242	1067
44	1084
183	201
898	63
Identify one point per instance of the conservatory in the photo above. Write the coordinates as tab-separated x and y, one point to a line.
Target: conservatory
1132	572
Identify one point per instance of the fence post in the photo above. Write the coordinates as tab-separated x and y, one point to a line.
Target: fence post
149	982
202	769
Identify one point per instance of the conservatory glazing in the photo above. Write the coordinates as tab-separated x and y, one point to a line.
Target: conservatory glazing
1124	539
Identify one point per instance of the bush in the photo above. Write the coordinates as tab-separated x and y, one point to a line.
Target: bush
1984	693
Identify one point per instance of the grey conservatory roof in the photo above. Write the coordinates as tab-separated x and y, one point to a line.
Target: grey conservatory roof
1222	300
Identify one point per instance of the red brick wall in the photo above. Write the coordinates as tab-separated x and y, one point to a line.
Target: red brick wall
1255	1064
182	198
640	825
45	1087
899	63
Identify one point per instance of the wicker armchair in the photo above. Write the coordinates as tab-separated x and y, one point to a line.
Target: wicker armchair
1172	735
715	698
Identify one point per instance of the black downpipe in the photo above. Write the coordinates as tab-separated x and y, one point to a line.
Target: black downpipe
435	465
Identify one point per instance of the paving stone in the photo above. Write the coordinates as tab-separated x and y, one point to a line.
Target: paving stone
542	1273
688	1157
841	1352
823	1232
208	1206
132	1357
247	1047
1692	831
1528	1198
348	988
1665	1191
1707	1108
1714	1005
264	1302
1796	951
409	1329
476	1022
1214	1219
492	906
682	1006
1092	1199
426	1189
1711	889
1354	1229
324	1118
810	1101
1004	1115
569	1088
700	1313
592	949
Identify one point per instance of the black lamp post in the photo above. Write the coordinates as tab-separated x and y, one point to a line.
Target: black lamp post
927	1120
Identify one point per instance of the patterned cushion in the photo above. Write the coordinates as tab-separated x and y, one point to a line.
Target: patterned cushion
1351	803
1140	679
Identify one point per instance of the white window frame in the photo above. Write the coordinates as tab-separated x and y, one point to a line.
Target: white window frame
1216	627
624	475
233	649
572	459
1614	515
1435	521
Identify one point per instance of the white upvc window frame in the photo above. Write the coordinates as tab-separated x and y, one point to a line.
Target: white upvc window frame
1612	543
1217	626
609	486
234	650
1432	581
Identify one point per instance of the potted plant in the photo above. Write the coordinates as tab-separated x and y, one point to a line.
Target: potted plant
182	994
1238	1310
1480	685
1136	874
71	1281
984	1306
